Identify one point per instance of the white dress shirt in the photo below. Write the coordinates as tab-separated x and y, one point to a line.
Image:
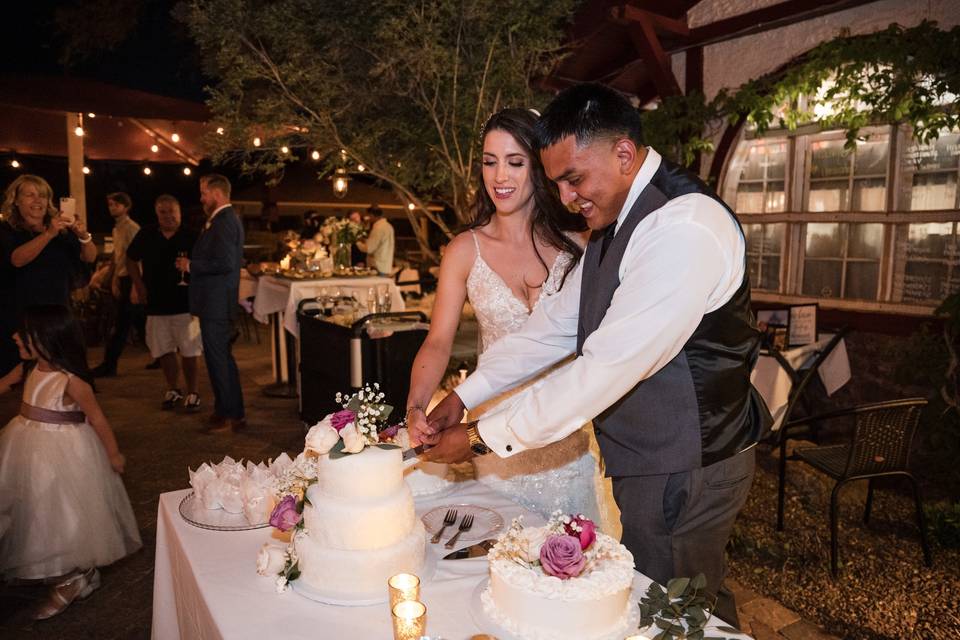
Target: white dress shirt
683	260
213	215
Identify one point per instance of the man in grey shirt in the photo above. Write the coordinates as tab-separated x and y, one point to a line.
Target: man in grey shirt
379	244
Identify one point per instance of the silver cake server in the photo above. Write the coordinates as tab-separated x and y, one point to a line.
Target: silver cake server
477	550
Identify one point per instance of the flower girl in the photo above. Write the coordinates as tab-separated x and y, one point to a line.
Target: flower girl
63	508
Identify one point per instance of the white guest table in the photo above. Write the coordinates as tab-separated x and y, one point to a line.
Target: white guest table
206	585
276	303
774	383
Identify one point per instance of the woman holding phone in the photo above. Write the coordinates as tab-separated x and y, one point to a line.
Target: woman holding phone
44	247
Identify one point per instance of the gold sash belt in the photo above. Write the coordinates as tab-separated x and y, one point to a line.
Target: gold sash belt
40	414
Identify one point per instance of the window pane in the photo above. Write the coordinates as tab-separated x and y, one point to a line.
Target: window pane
824	240
772	237
753	264
866	240
776	198
776	160
770	276
930	241
750	198
753	234
869	194
821	278
752	168
933	191
942	153
871	157
923	281
828	159
828	195
862	280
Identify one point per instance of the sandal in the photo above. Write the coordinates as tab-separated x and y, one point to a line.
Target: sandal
76	586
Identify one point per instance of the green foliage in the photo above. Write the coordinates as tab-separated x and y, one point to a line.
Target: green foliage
402	87
897	75
943	523
681	612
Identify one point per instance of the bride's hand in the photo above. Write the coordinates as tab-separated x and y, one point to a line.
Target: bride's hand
419	429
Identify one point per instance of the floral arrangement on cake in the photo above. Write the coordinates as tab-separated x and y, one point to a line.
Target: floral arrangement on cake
566	547
362	422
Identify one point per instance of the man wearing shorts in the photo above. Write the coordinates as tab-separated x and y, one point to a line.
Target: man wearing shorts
151	263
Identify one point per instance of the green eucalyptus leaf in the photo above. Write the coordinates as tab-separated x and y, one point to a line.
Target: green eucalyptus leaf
699	581
677	586
337	450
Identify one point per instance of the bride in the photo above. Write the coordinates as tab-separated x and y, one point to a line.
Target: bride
521	246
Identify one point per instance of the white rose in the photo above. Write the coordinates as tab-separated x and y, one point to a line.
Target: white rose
530	540
321	437
353	442
271	559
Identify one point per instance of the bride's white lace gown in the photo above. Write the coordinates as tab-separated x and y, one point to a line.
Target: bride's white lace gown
562	475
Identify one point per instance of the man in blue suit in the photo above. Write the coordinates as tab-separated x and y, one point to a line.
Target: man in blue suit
214	268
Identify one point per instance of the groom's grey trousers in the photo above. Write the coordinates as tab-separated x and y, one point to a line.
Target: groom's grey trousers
678	524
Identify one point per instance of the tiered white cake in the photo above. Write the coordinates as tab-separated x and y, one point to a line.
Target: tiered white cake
360	527
531	605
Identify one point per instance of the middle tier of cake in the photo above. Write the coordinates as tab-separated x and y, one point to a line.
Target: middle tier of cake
359	523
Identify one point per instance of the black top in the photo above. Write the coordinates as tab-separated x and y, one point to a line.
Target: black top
49	278
158	256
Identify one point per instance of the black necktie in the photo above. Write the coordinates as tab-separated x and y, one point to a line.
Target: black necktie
607	239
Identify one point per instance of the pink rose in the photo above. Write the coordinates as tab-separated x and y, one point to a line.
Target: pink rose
390	432
342	418
285	515
583	529
561	557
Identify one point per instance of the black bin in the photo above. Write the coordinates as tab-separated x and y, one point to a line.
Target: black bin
380	347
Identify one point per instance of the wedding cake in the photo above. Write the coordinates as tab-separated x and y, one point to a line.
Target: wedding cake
563	581
359	525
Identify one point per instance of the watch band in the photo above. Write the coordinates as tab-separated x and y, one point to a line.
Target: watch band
477	445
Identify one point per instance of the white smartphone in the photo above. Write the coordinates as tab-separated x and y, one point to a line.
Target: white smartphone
68	210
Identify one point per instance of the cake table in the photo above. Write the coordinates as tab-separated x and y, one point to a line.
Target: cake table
206	585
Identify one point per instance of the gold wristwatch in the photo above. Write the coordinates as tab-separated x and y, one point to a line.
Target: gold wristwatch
476	442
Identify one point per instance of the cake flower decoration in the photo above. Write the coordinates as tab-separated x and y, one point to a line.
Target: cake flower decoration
286	514
362	422
561	557
583	529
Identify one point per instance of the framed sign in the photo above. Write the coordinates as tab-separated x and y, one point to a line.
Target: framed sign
802	325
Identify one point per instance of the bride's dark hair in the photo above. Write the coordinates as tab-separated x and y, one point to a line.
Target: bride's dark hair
550	218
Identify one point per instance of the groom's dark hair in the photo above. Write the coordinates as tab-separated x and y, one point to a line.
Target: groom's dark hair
588	111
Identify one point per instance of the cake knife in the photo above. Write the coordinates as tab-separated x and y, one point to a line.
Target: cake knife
414	452
477	550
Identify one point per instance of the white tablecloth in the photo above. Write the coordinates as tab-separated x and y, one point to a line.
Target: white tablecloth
282	295
774	383
206	585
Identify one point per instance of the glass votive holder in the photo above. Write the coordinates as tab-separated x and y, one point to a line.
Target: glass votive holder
403	586
409	620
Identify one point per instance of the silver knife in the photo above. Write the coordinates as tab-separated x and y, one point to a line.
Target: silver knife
414	452
477	550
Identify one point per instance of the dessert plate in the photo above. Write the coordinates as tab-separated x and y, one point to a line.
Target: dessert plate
193	511
486	522
361	600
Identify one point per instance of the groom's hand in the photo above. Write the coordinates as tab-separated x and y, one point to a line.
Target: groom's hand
447	413
453	446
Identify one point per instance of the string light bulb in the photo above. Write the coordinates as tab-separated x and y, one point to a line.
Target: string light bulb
187	171
361	168
284	149
154	148
257	142
91	115
15	163
411	206
175	137
78	131
86	170
219	131
315	155
147	171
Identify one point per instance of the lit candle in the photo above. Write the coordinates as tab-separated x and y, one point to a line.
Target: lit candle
409	620
285	262
403	586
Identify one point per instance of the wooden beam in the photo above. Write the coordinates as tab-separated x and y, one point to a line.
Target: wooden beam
644	37
629	13
772	17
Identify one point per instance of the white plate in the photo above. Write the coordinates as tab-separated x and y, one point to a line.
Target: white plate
487	625
362	600
193	511
486	522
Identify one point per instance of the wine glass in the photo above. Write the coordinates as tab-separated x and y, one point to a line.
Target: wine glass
183	282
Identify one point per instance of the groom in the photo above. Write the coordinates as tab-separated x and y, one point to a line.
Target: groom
658	311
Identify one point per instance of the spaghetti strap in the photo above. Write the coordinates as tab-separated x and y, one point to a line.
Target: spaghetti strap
476	243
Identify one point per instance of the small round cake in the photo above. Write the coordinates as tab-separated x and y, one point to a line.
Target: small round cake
530	603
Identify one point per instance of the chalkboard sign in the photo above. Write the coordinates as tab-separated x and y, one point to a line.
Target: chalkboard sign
803	325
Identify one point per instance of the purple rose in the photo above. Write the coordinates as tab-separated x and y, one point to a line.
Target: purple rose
390	432
561	556
285	515
583	529
341	419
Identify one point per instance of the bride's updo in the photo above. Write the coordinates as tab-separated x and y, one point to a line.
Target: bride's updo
550	220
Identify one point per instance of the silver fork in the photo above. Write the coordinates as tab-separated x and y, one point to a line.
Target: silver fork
448	519
465	525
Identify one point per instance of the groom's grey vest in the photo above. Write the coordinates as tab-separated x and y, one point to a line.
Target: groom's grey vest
698	409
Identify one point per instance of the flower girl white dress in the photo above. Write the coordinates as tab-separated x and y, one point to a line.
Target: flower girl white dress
62	507
563	475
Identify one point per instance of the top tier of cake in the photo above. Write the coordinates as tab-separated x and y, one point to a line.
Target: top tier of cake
372	473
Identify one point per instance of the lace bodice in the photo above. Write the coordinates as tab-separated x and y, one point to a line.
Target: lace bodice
499	311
